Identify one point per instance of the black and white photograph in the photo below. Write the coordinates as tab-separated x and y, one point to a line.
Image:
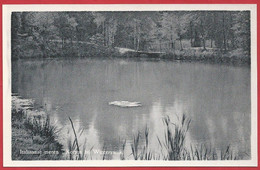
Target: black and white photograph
161	84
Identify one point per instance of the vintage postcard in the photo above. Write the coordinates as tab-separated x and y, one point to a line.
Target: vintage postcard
130	85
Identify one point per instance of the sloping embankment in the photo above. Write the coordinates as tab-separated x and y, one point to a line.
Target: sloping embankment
33	135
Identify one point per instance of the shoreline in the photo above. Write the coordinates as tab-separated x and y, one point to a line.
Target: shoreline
212	57
33	136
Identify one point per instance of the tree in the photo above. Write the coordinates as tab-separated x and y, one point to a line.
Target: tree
66	27
86	27
168	23
241	30
200	23
181	20
147	30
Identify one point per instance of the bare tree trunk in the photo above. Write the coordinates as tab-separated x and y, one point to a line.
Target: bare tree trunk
204	43
160	46
181	44
172	42
128	45
135	35
138	44
191	34
203	34
232	35
113	40
107	35
138	38
104	34
62	43
224	33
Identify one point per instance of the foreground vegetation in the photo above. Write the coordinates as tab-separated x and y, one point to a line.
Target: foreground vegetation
35	137
221	36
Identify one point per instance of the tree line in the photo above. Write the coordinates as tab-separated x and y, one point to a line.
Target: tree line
165	31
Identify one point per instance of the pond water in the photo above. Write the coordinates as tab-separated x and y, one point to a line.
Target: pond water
215	97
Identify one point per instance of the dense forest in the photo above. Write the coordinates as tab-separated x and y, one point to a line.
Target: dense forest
73	34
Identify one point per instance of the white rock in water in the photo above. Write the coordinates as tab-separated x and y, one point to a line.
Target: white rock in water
125	104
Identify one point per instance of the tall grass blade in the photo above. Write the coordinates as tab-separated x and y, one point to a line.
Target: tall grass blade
76	138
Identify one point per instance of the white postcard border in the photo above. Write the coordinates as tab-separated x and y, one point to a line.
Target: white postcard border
6	32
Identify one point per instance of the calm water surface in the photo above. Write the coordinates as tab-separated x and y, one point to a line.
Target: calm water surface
215	97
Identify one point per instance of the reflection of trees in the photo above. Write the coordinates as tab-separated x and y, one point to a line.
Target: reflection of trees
209	94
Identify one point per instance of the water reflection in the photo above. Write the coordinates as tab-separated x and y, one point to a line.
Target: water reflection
215	97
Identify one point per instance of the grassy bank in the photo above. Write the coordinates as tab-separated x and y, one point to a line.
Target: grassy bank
210	55
237	56
35	137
